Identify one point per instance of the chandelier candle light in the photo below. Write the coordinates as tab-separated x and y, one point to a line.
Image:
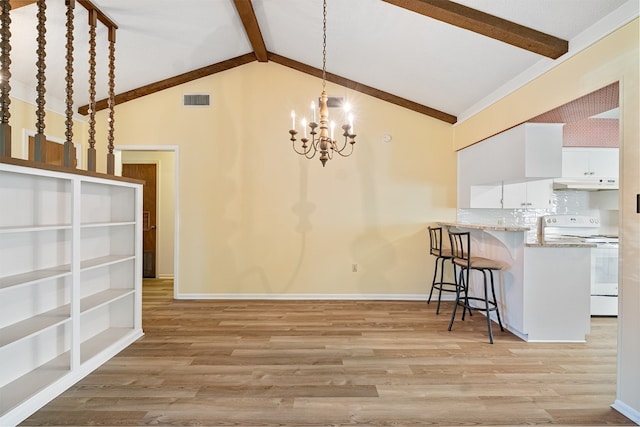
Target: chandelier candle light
323	141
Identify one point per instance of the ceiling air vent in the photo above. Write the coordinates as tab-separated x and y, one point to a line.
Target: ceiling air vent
334	102
196	100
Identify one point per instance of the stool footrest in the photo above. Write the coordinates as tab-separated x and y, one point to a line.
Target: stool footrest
442	286
492	305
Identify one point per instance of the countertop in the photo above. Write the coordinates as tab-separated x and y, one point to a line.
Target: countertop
485	227
560	245
519	229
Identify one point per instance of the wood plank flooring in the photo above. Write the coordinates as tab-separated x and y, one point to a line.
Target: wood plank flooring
309	363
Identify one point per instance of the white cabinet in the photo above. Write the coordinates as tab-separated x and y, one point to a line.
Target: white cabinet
70	280
486	196
583	162
529	152
528	195
519	195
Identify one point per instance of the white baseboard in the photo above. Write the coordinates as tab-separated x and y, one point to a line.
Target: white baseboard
627	411
363	297
165	276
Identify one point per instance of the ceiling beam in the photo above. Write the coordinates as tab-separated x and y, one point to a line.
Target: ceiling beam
173	81
251	27
368	90
487	25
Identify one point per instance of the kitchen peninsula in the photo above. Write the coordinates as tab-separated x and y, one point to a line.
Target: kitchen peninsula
544	294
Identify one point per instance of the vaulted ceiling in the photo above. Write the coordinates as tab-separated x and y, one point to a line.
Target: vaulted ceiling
437	57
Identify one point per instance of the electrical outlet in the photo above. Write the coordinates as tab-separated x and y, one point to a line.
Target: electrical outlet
354	268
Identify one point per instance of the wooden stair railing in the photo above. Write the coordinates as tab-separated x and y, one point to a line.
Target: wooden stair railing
91	154
112	100
68	121
5	75
40	140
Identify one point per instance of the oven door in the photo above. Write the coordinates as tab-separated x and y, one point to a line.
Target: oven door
604	280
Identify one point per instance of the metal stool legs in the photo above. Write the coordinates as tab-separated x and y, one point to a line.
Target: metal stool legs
489	304
439	284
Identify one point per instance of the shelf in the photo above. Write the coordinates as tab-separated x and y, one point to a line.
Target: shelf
33	325
70	279
104	261
23	229
36	276
99	299
106	224
97	344
106	203
27	385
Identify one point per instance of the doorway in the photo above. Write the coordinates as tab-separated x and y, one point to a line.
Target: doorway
165	223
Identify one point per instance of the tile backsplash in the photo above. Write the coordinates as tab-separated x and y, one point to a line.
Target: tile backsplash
602	204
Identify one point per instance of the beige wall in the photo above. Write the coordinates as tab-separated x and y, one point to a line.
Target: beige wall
614	58
255	218
165	202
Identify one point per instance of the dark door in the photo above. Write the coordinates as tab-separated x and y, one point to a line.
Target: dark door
146	173
54	152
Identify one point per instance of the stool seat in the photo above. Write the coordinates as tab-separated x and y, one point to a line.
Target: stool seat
464	262
443	252
480	263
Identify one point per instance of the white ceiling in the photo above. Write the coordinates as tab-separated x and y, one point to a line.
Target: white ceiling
369	41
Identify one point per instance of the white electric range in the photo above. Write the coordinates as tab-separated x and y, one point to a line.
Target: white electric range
604	257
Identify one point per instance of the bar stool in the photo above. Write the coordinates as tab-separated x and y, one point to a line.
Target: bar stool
442	255
462	258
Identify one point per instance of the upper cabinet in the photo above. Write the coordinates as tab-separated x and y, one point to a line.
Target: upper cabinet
586	162
528	195
531	151
528	151
520	195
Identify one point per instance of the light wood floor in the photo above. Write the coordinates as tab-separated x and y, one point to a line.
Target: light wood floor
303	363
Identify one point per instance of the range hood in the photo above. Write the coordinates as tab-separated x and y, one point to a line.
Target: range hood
586	184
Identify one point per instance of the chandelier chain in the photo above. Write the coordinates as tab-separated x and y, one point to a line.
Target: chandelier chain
324	44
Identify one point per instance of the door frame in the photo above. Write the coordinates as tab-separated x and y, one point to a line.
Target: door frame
117	151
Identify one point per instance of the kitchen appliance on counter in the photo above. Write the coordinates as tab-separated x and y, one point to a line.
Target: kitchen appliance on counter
604	257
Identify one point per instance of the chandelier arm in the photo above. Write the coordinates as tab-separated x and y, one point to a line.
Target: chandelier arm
310	154
341	152
303	152
344	145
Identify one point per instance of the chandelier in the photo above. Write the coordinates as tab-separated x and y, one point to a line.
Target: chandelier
322	140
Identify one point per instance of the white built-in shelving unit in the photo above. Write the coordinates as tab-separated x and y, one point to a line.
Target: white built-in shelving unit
70	280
